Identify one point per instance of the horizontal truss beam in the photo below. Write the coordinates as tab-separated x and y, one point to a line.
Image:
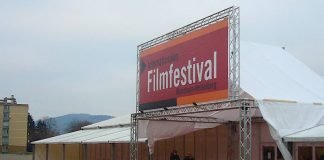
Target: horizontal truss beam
172	114
186	119
186	29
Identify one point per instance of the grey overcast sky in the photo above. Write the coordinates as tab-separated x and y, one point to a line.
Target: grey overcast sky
79	56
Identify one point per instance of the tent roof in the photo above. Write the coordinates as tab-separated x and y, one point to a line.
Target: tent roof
107	135
270	72
310	135
114	122
115	130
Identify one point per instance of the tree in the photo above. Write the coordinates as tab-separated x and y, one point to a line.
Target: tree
76	125
51	128
43	128
30	132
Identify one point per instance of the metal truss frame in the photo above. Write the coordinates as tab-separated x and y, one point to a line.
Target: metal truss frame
134	137
186	114
189	28
246	130
234	53
181	113
233	16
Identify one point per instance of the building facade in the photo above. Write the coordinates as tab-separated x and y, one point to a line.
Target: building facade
13	126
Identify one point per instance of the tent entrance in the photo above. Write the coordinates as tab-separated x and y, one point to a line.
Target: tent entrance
174	121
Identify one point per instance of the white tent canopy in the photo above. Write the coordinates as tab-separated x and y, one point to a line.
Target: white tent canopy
115	130
114	122
269	72
315	134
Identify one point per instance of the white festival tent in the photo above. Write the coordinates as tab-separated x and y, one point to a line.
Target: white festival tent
115	130
290	98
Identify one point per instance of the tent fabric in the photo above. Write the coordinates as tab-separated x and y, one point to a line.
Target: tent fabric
115	130
158	130
269	72
108	135
114	122
315	134
287	118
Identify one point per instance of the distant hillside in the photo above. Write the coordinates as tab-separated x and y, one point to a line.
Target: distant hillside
63	121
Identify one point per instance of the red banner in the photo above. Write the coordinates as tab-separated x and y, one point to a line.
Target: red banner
189	69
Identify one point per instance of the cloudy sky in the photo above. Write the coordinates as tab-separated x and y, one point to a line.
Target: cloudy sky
79	56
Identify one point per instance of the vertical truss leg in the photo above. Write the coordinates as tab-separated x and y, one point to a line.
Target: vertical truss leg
245	131
134	137
234	53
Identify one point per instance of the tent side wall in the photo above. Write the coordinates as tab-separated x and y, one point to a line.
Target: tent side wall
40	151
73	152
55	151
105	151
143	151
221	142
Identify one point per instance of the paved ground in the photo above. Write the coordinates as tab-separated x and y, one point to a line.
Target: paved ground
16	157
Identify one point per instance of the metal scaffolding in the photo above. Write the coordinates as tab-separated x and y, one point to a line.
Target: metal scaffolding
234	53
245	130
184	114
134	137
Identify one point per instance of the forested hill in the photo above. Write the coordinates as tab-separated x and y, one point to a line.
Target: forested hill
62	122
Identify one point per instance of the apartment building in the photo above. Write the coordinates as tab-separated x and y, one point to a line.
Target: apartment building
13	126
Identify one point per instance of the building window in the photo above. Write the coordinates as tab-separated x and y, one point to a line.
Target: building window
5	131
6	116
6	108
5	140
5	124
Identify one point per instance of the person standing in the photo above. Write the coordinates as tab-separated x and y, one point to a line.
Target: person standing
174	155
